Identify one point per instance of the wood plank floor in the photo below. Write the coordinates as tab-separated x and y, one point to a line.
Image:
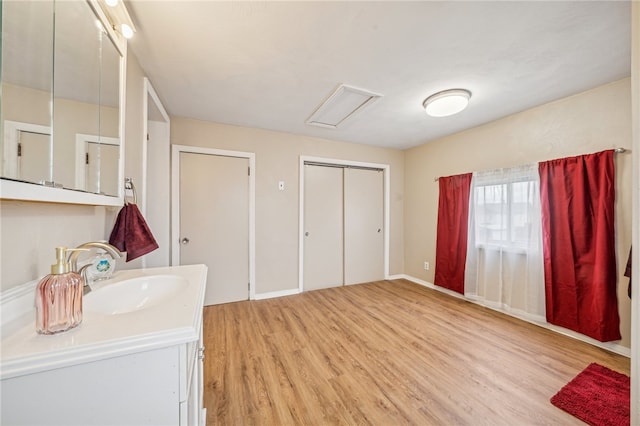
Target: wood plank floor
385	353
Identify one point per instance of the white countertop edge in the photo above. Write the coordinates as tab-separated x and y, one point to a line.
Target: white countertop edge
96	352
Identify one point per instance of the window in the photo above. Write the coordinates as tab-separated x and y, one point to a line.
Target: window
504	212
504	258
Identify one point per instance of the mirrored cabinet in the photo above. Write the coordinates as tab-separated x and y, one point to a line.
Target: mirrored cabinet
61	116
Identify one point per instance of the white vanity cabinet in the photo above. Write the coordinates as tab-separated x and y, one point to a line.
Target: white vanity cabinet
140	368
148	388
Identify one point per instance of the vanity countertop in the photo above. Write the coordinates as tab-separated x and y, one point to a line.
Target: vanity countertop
100	335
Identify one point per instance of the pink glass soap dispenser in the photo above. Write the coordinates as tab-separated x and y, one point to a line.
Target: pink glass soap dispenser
59	297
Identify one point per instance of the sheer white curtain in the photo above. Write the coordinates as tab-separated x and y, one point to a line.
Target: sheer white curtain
504	268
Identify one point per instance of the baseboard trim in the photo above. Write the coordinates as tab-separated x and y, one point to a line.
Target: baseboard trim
429	285
609	346
280	293
395	277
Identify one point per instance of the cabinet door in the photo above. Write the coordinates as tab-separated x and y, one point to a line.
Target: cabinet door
135	389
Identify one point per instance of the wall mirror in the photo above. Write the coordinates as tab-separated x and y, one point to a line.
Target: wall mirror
61	116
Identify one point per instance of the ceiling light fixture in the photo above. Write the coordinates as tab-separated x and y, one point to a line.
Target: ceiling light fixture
447	102
126	31
118	16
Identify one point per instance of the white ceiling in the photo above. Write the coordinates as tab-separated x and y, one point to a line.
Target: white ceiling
270	64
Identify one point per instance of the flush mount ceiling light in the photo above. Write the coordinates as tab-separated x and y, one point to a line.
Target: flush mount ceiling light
447	102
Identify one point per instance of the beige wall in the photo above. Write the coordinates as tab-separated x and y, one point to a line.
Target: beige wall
26	104
277	159
29	231
588	122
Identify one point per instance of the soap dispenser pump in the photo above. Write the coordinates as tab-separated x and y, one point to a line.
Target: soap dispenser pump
59	297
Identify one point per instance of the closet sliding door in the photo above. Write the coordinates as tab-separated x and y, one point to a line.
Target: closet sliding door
323	237
343	220
363	223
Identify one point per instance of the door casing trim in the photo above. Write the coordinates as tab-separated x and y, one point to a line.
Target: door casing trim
150	95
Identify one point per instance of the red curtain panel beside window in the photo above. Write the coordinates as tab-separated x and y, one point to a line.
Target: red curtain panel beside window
451	239
577	197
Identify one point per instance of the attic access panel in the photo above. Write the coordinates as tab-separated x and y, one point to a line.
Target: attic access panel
343	103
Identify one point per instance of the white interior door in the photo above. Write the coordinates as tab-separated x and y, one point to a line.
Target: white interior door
363	225
34	155
214	222
323	222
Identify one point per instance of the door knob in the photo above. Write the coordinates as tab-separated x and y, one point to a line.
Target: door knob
306	234
184	241
379	230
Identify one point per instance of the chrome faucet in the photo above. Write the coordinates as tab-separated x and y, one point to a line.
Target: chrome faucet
73	259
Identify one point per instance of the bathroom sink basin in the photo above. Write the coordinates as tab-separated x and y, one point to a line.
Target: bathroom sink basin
134	294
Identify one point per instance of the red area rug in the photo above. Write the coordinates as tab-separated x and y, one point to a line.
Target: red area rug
598	396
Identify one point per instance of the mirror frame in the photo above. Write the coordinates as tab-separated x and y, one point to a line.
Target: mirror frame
25	191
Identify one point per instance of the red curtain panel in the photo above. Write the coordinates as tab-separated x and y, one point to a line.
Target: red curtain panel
451	240
577	197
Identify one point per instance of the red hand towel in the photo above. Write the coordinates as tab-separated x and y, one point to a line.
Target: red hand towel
132	234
